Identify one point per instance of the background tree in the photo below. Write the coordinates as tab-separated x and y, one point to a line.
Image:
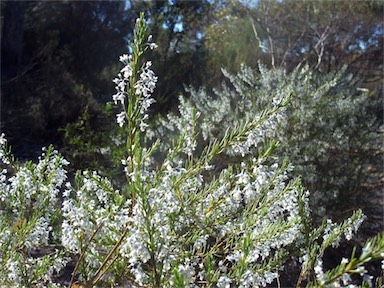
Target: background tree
325	34
12	39
66	59
229	41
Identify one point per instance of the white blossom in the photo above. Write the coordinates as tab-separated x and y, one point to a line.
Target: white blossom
3	152
121	118
224	282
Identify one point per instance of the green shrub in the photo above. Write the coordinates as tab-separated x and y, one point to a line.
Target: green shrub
327	130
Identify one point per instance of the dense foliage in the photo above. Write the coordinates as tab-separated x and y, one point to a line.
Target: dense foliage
322	59
181	218
326	130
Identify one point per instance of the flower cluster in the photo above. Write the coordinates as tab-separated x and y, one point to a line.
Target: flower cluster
4	153
191	210
333	232
229	108
135	85
322	128
185	124
29	204
94	215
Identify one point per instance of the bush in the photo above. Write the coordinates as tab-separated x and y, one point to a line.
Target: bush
327	130
178	222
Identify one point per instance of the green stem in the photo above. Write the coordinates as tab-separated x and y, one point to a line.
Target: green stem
82	254
109	256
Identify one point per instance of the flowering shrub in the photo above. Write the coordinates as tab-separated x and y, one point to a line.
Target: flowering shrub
29	219
327	130
180	221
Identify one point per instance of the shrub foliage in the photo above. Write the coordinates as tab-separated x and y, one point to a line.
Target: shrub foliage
183	218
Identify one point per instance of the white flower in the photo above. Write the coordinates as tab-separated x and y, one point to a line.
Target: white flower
147	102
344	261
188	271
3	151
243	177
3	140
121	118
200	243
153	46
127	71
209	167
345	279
39	234
224	282
13	270
319	271
118	97
147	82
235	256
125	58
140	275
